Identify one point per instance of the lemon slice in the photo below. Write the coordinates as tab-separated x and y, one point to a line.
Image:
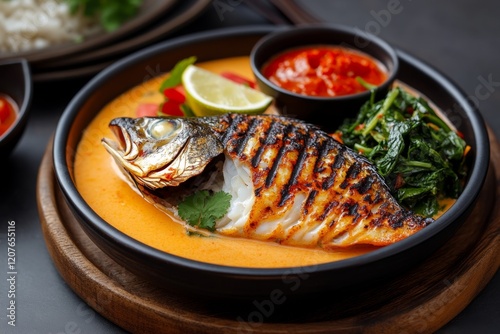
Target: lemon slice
210	94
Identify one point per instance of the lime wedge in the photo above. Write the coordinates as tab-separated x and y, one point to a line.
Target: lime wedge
210	94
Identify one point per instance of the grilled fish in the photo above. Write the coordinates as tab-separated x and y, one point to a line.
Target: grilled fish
290	182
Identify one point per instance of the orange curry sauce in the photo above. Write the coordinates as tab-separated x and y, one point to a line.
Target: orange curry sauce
323	71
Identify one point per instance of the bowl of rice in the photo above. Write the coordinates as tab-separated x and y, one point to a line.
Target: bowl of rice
39	30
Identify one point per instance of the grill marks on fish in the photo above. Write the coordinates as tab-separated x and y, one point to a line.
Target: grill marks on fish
271	176
286	193
339	193
351	174
365	185
280	139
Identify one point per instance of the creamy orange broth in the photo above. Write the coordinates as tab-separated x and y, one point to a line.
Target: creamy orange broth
119	205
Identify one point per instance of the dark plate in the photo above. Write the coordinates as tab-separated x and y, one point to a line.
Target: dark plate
149	11
95	59
183	275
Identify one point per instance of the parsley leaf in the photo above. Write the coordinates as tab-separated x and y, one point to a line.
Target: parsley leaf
203	208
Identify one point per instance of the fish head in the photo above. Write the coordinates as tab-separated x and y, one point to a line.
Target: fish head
158	152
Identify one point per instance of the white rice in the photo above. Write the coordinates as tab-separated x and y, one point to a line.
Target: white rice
27	25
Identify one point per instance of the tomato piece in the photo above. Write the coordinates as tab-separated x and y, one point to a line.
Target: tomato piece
171	108
175	95
314	59
337	136
7	114
147	109
181	90
238	79
399	181
3	128
360	127
4	110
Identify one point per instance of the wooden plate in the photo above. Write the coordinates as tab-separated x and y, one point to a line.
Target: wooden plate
421	300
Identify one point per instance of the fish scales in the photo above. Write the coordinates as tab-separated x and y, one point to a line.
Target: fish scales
310	190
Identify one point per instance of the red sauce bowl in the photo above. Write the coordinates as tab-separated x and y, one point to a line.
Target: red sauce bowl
16	87
299	50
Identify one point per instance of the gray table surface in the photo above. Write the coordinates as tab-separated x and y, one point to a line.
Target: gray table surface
460	38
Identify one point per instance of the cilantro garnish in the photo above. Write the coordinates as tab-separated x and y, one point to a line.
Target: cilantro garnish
203	208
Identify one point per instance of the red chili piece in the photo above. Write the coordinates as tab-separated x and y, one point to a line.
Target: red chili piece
174	95
7	115
238	79
171	108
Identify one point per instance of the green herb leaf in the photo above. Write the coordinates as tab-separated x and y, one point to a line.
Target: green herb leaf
188	112
175	77
385	106
395	145
203	209
112	14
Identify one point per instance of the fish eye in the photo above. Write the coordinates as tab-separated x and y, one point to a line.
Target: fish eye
163	129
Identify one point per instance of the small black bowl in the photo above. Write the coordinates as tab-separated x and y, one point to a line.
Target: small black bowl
15	82
316	109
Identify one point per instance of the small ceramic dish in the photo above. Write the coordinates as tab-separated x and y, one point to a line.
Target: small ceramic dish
183	275
16	87
314	108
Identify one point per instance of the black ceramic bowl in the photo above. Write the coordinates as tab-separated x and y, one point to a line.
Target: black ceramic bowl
316	109
15	82
184	275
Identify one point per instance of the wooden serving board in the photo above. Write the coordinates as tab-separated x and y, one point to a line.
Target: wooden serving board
421	300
